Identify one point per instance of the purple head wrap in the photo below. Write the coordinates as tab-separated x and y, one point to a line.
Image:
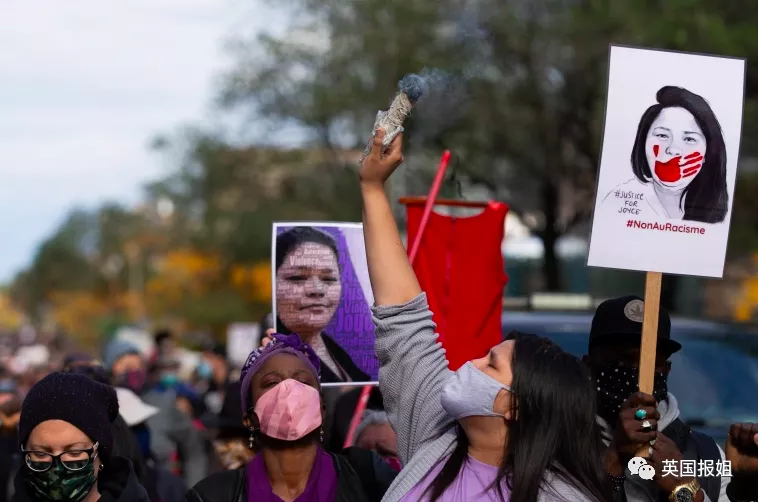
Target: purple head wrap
280	344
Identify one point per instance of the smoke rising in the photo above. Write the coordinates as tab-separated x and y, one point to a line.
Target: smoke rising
438	97
414	86
441	96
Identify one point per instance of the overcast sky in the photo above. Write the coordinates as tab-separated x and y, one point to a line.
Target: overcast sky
85	85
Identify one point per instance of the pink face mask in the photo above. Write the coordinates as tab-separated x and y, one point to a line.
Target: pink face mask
289	411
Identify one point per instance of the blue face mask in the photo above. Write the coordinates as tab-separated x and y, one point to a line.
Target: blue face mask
204	371
142	435
471	393
169	380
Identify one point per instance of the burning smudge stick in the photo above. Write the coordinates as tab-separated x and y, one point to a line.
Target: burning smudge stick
410	89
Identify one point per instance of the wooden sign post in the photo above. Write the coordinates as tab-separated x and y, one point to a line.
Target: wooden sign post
650	331
649	339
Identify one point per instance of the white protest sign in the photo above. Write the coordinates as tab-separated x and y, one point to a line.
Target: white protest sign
137	337
668	163
241	340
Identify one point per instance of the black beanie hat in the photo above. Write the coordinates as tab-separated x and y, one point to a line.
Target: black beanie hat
84	403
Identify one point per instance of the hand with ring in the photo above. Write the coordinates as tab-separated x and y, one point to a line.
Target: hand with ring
637	424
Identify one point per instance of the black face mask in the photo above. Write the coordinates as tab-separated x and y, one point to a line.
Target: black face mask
615	383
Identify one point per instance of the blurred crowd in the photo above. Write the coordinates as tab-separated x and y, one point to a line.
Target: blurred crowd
176	427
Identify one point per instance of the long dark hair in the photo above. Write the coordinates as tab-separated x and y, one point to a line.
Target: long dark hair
554	429
288	241
706	198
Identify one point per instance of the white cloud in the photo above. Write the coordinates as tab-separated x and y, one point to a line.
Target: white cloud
85	84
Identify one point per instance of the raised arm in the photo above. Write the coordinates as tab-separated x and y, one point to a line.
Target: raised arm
392	278
413	367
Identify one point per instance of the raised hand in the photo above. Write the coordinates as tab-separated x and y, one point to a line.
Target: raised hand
742	453
742	448
381	163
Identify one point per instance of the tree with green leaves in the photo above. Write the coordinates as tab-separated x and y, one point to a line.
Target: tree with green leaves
521	96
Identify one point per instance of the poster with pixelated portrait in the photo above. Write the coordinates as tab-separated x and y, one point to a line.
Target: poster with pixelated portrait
322	292
668	163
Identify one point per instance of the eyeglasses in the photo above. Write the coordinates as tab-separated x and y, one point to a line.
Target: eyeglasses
72	460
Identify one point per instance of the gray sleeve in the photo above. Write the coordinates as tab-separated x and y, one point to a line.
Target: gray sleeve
412	371
192	448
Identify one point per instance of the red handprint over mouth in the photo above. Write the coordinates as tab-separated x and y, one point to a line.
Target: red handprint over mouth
677	168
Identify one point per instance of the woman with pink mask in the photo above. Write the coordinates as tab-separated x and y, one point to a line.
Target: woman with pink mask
283	408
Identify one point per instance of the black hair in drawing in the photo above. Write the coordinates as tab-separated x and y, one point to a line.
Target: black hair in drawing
706	198
290	240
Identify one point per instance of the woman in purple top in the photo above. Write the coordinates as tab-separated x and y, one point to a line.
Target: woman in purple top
283	409
516	425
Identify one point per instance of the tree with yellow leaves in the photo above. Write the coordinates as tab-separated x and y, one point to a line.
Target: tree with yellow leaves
81	314
10	317
747	306
253	282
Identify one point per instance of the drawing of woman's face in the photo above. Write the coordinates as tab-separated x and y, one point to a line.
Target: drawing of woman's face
308	288
675	148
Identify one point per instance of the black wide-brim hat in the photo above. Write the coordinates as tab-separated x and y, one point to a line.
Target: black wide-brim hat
618	321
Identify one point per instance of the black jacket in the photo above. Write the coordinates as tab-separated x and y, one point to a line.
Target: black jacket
116	483
362	477
9	462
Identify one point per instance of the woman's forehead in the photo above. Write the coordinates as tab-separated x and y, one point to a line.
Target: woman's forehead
678	118
54	432
504	349
310	254
283	363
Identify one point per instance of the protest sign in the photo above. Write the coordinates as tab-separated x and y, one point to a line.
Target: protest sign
321	287
668	162
667	172
241	340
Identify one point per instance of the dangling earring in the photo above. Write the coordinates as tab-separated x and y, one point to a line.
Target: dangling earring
321	435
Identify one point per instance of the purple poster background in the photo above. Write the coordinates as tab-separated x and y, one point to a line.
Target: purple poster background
351	326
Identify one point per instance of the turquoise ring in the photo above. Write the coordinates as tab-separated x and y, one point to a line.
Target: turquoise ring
640	414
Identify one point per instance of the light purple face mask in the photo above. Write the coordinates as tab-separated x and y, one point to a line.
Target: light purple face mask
471	393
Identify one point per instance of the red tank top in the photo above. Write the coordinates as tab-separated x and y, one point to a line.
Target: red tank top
460	267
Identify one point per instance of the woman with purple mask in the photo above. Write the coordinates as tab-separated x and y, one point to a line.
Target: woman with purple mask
283	408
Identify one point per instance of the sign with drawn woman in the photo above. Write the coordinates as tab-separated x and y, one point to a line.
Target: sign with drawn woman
668	163
322	293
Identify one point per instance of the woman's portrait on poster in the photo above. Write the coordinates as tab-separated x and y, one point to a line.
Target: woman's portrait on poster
308	292
678	160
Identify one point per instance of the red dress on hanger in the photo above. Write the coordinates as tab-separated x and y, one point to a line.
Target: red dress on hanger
460	267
